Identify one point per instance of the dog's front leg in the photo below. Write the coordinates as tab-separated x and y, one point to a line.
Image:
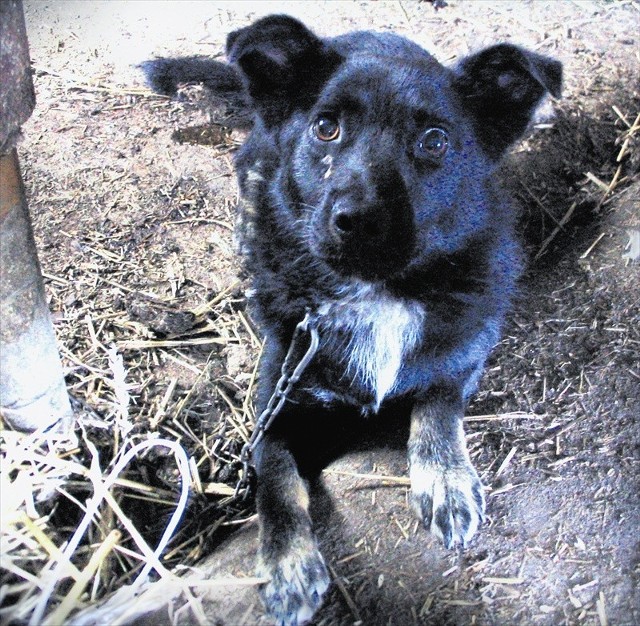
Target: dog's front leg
288	554
446	492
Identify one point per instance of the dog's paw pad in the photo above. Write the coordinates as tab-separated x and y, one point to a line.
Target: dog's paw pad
449	501
296	587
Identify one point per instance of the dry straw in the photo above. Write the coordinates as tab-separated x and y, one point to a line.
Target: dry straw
73	550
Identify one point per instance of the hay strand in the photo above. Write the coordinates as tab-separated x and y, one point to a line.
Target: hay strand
56	568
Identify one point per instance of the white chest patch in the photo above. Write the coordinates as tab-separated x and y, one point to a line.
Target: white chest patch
381	331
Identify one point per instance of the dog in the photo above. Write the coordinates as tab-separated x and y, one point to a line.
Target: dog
369	200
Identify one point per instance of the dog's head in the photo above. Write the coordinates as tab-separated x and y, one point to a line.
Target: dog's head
385	155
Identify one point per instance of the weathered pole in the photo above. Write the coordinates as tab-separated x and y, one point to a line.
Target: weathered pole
33	394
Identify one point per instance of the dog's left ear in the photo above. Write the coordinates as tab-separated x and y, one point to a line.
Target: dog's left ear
283	63
501	87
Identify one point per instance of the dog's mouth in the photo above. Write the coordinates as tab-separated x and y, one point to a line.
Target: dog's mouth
359	264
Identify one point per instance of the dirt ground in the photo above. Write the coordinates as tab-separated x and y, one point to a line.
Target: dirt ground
133	196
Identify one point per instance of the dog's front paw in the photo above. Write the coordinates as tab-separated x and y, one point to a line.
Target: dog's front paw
297	583
448	500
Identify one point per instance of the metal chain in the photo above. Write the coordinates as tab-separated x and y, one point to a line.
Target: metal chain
283	388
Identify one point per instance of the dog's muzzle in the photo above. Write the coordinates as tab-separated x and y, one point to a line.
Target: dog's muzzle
350	224
369	241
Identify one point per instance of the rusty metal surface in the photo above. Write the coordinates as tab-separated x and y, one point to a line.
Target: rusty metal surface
17	96
19	268
10	183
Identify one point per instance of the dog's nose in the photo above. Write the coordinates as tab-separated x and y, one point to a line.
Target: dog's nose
349	222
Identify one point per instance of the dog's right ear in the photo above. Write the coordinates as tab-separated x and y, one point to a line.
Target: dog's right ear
283	63
501	86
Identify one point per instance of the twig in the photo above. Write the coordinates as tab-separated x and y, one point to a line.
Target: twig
76	84
141	344
399	480
502	581
345	594
589	250
602	610
506	461
502	416
70	600
556	230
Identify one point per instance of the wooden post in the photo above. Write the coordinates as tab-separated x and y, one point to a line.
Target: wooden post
33	394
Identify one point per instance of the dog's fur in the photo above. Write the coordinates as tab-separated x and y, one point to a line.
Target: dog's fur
369	198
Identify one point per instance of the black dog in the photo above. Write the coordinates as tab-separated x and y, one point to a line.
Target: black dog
369	200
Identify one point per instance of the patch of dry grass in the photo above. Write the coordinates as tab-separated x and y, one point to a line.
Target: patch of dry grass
145	485
99	525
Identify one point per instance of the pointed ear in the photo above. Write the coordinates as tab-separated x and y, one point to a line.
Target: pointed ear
284	65
501	87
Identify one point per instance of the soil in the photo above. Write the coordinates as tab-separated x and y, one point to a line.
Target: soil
132	197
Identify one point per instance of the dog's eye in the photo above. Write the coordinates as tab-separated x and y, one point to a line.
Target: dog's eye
326	128
432	144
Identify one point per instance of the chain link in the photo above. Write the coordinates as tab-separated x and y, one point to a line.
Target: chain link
289	376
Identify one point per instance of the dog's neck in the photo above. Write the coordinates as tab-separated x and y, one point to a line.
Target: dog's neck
377	331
